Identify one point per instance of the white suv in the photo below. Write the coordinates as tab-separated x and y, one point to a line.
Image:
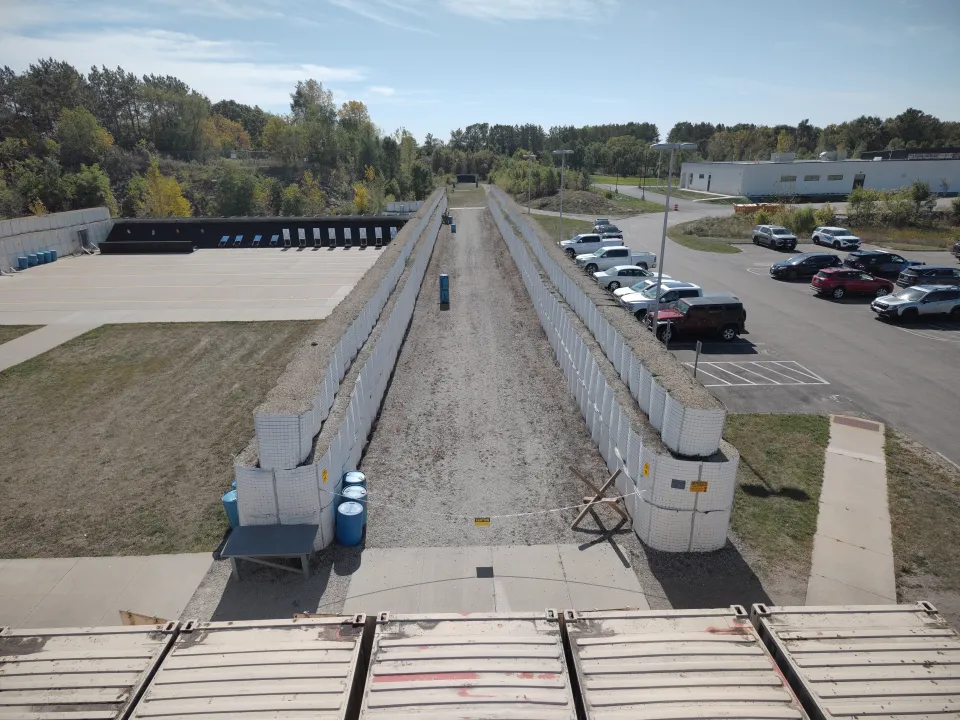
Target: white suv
912	302
836	237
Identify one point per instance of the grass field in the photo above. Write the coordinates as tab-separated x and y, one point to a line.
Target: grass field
778	485
924	495
713	234
571	227
11	332
466	196
120	442
910	238
631	204
632	181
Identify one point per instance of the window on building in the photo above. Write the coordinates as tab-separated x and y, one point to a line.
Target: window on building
834	177
788	178
811	178
701	176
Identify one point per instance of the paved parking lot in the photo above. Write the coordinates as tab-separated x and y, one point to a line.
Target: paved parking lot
207	285
905	376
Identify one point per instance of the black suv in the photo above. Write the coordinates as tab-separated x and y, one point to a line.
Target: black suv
956	250
805	265
929	275
879	262
721	315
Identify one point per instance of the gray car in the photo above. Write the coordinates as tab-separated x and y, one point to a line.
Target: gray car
912	302
774	236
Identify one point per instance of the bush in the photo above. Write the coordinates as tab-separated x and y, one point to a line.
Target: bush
608	194
955	206
825	216
762	217
803	221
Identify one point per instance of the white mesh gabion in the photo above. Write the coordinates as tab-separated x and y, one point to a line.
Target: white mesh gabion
709	530
665	530
643	399
691	432
721	479
256	496
658	397
298	498
278	440
670	486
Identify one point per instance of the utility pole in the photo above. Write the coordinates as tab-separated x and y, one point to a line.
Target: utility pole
529	158
563	162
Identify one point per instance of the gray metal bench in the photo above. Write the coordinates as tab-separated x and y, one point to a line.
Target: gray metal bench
257	542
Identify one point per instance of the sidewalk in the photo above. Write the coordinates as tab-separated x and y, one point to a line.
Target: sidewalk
39	341
852	561
89	592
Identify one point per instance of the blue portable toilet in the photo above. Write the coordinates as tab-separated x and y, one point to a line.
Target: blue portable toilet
23	262
444	289
350	524
230	507
358	494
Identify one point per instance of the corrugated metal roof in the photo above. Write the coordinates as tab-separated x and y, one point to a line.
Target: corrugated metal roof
479	665
269	668
77	673
881	661
674	664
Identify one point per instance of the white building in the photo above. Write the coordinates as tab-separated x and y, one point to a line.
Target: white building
784	176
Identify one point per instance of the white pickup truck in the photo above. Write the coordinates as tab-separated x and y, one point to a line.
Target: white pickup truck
608	257
587	243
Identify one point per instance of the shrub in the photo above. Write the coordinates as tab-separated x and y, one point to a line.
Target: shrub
608	194
825	216
762	217
804	221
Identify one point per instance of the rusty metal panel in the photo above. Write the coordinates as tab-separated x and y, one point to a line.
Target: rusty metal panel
78	673
675	665
469	666
877	661
302	668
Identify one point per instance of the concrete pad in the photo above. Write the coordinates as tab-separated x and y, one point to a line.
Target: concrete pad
383	569
101	575
528	594
856	527
14	609
68	610
846	486
600	565
598	597
449	580
39	341
401	600
824	591
853	566
162	587
527	561
33	576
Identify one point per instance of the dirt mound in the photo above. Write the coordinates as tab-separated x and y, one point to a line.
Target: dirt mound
579	202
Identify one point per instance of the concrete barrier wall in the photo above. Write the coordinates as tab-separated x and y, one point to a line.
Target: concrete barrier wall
660	496
690	431
308	493
57	231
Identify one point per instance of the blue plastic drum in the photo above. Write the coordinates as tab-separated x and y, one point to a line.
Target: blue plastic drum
350	524
355	493
23	262
32	259
354	478
230	507
53	256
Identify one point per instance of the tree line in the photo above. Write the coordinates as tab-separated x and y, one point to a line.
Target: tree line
153	146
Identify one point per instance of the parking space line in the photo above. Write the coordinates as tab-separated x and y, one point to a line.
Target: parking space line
770	380
769	368
742	380
701	371
800	370
918	333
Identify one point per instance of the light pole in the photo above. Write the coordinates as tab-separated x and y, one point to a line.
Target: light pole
672	147
563	161
529	158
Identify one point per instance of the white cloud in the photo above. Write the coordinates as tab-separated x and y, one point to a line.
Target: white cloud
382	90
386	12
228	9
530	9
218	68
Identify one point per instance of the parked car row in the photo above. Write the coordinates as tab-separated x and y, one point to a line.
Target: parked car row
778	237
903	289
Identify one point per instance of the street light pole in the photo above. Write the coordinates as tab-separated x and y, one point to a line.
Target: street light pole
672	147
563	162
529	158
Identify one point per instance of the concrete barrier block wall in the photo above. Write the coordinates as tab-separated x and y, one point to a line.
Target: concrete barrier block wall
57	231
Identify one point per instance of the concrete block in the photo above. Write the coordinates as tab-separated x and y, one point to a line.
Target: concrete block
854	566
521	594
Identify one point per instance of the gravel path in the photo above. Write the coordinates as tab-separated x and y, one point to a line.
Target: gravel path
478	421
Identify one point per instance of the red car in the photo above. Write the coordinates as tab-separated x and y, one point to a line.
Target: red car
840	281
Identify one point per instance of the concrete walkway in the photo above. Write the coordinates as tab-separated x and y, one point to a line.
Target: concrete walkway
494	579
39	341
852	560
86	592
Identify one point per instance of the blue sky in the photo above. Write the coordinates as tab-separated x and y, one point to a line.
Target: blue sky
434	65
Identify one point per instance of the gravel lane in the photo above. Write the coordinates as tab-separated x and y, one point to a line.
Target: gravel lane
477	421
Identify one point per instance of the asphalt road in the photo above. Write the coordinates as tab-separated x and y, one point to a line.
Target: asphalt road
807	354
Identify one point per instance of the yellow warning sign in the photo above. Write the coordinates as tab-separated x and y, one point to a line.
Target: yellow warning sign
646	469
324	473
482	522
698	486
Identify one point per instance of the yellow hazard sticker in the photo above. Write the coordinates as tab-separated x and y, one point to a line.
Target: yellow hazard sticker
324	473
698	486
482	522
646	469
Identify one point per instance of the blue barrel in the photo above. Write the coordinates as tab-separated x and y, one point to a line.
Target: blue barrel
32	259
230	507
453	228
354	478
43	257
53	256
48	256
444	289
23	262
350	524
358	494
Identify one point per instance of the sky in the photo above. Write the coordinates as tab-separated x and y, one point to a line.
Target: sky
435	65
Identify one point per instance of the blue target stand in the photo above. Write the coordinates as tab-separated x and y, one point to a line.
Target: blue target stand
444	291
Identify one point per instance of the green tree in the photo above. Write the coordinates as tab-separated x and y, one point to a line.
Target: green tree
135	199
361	198
421	181
163	197
236	190
91	188
314	199
291	203
81	138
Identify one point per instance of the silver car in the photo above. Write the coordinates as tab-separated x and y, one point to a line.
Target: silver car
912	302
